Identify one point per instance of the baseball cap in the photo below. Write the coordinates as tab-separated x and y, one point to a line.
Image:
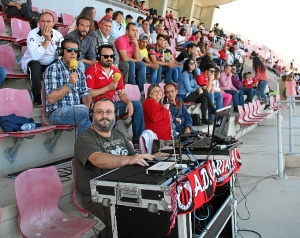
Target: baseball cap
142	36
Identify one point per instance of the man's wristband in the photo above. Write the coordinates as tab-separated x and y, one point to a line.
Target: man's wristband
70	85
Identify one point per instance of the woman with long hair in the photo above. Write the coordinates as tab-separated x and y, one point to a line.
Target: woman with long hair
261	76
89	12
156	115
182	39
189	91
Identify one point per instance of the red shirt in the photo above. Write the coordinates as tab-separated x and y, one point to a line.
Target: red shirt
96	78
202	80
248	83
123	43
152	50
223	55
157	119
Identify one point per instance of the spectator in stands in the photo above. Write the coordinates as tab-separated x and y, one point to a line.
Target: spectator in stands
237	83
275	68
217	30
205	81
189	91
290	88
240	59
156	115
188	53
152	68
195	37
145	29
171	15
105	71
227	86
182	39
65	89
167	14
180	116
156	55
216	55
103	36
153	25
158	30
89	12
193	27
118	28
261	75
139	21
3	73
223	53
86	45
129	52
226	96
179	22
108	15
175	72
247	81
41	49
98	150
128	19
22	9
207	59
230	56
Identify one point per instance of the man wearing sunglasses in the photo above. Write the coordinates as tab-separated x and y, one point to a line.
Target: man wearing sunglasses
86	45
65	88
101	79
42	43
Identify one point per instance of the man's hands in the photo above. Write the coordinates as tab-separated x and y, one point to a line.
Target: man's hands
46	32
200	90
129	109
112	86
73	78
141	159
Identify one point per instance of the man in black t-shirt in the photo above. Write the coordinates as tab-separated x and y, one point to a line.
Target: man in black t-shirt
98	150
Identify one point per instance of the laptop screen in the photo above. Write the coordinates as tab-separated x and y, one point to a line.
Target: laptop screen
222	116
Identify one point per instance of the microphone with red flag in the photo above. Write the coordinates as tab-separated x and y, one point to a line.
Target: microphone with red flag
116	77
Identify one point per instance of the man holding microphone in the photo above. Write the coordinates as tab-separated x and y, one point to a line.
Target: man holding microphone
104	79
65	87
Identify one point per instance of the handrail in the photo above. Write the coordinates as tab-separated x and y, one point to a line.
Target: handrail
279	133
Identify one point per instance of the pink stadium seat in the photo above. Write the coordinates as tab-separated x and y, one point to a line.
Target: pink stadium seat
67	19
2	29
18	102
241	120
63	30
35	9
247	115
38	192
249	107
19	30
133	92
2	137
76	198
8	60
257	109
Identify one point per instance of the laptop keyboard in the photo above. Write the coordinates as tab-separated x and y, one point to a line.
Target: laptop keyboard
201	144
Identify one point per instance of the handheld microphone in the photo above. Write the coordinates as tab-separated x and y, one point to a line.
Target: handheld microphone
116	77
166	100
73	65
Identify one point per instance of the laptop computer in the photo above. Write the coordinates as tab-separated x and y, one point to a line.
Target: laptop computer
207	143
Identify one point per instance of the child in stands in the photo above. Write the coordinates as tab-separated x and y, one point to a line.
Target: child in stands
290	88
247	81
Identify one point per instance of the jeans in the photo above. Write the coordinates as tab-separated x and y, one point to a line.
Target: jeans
216	96
3	74
72	115
139	70
260	90
137	119
153	75
250	92
237	97
185	44
164	70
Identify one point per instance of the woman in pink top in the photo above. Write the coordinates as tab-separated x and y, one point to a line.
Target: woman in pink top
261	75
290	88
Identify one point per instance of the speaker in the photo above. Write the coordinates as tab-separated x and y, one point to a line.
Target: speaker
104	97
60	49
99	49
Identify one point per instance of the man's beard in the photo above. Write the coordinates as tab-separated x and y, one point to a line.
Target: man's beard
104	128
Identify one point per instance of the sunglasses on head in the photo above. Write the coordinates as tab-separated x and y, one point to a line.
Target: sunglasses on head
108	56
69	50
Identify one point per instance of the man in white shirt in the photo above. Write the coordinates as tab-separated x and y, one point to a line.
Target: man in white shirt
42	43
240	55
145	29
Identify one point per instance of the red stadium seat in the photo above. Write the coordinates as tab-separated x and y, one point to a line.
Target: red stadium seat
2	29
8	60
37	192
20	30
57	24
67	19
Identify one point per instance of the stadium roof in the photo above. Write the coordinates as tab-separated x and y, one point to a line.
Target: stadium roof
210	3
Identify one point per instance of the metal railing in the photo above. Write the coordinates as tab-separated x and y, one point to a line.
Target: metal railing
291	128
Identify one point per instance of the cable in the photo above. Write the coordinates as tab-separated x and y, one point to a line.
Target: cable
255	232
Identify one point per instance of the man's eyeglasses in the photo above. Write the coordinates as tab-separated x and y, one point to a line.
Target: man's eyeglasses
108	56
69	50
101	113
212	71
233	68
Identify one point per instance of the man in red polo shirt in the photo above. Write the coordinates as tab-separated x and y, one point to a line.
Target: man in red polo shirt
205	80
129	52
100	80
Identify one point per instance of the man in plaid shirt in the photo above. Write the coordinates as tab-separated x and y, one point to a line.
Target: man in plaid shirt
66	88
